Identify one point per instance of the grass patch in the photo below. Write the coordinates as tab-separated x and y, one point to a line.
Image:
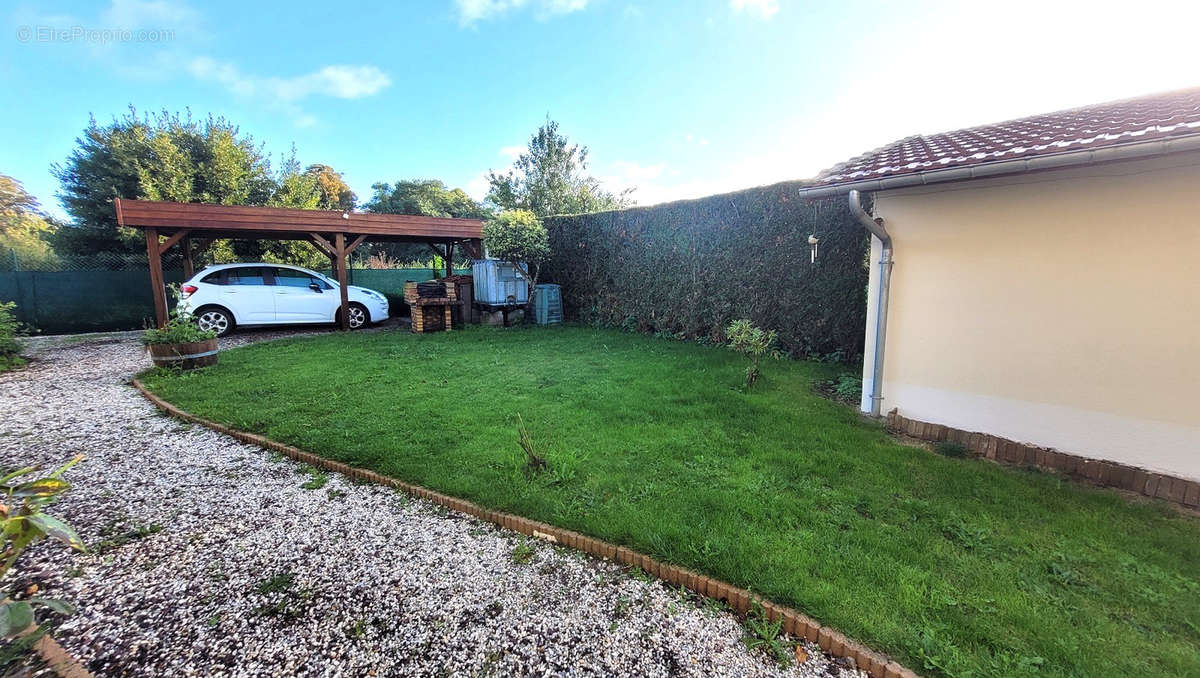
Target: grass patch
955	566
948	448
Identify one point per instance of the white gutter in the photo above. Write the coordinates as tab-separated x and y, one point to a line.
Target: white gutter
1017	166
875	226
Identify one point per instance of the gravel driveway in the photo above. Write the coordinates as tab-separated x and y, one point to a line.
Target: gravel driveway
209	556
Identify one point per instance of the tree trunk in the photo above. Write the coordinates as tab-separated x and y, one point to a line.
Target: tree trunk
532	282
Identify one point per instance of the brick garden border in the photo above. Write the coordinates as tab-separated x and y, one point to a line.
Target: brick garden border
59	660
876	665
1094	471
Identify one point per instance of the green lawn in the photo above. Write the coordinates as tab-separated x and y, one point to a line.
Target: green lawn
956	566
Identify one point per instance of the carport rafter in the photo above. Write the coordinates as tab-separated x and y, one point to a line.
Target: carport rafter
180	222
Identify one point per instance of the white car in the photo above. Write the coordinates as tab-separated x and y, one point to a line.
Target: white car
225	296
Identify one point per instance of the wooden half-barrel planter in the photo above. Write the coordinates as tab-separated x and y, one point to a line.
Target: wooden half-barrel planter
187	356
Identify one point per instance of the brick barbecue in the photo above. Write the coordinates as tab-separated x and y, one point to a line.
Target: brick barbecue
431	303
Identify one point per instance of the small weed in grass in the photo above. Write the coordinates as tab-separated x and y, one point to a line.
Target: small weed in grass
523	553
317	478
335	494
640	575
534	462
844	388
622	608
715	607
276	584
116	538
948	448
763	635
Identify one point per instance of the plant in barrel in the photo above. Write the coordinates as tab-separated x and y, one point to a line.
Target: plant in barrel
25	523
181	343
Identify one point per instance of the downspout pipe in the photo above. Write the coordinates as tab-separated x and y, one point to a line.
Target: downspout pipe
875	226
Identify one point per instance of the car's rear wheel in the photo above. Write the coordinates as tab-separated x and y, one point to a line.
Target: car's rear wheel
357	317
214	319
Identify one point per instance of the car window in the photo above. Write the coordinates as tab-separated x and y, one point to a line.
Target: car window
290	277
213	278
245	276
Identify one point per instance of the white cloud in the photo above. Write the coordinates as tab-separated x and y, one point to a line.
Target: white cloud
340	82
472	11
478	187
153	14
634	171
511	152
763	8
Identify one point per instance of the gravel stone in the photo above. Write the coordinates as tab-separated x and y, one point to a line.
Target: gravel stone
207	557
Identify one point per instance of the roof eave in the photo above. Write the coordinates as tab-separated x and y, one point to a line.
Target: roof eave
1016	166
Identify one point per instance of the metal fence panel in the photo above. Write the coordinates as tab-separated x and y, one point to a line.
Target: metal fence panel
102	300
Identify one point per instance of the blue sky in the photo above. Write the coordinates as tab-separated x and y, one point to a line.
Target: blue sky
678	99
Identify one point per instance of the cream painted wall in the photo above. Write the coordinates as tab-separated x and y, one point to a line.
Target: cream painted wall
1059	308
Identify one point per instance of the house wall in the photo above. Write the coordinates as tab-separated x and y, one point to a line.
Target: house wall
1060	309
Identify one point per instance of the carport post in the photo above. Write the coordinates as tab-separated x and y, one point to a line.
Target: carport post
339	245
189	266
157	287
449	258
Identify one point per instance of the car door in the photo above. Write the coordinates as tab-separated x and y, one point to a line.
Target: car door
298	301
248	293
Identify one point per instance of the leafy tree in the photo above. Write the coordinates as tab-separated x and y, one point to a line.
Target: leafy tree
169	156
24	230
419	197
294	189
164	156
518	237
14	199
335	194
550	178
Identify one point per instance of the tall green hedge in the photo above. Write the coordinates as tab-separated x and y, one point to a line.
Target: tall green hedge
689	267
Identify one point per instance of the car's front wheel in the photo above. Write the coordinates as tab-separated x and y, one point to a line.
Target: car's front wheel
213	319
357	317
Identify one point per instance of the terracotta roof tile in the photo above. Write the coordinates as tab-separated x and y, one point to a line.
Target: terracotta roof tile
1130	120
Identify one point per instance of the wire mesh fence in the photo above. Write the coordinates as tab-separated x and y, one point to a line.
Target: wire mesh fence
109	291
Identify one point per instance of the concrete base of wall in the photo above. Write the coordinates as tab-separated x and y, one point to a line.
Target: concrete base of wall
1094	471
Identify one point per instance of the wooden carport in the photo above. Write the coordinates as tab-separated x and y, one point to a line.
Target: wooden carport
195	226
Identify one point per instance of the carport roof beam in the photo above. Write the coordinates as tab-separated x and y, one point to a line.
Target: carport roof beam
178	220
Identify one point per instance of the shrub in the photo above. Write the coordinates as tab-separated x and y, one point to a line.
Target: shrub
24	523
752	342
846	388
690	267
10	347
519	237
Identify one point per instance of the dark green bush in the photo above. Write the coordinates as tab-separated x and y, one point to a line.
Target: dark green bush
10	348
688	268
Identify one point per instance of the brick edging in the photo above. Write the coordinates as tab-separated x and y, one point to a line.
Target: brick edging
58	659
876	665
1095	471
